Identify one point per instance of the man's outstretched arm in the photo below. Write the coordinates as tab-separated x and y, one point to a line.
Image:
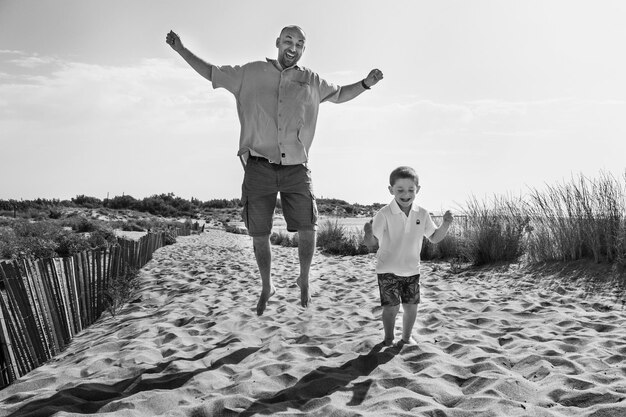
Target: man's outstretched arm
203	68
348	92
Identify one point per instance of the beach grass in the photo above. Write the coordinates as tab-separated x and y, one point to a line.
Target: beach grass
583	219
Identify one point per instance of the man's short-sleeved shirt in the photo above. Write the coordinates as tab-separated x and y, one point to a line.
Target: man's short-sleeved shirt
277	109
400	238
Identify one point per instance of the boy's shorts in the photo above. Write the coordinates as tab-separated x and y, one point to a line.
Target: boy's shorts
395	289
261	184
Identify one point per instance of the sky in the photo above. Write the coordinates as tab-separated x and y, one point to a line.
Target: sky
483	98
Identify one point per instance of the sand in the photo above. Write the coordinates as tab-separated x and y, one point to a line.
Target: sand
488	344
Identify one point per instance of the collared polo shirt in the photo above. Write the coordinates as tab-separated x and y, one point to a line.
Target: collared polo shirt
277	109
400	238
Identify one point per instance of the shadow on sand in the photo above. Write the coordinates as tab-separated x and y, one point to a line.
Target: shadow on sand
88	398
324	381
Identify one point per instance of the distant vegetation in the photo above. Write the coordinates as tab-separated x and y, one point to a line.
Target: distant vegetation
584	219
69	234
47	228
165	205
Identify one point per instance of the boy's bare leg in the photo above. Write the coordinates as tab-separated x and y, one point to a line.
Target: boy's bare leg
408	320
263	255
306	249
389	322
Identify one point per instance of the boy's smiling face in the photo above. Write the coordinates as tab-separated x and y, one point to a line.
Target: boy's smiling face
404	191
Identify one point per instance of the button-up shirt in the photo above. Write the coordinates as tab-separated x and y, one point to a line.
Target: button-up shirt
400	238
277	108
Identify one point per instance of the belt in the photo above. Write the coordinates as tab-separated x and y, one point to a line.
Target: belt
261	159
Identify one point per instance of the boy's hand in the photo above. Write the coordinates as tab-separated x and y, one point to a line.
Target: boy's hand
367	228
448	217
369	239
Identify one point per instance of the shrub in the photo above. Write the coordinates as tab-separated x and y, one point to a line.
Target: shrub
121	289
330	232
496	233
333	239
103	237
8	243
70	244
449	248
87	202
27	239
84	225
222	204
238	230
284	239
170	237
36	247
347	246
46	230
122	202
132	227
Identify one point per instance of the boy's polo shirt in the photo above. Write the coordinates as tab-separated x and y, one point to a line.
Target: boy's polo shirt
277	109
400	238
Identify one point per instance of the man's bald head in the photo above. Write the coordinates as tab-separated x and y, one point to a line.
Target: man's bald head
290	46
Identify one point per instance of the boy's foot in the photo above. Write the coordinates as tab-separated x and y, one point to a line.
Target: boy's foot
265	296
403	342
305	297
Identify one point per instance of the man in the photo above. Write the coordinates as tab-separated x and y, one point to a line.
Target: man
277	104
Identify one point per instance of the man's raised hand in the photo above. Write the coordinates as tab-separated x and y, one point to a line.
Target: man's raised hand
373	77
173	40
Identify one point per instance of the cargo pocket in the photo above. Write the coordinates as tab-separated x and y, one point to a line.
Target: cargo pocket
314	213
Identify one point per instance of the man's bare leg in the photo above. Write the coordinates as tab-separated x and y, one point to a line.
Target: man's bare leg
306	249
263	255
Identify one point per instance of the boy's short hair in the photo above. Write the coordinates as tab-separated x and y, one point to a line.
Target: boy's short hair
403	172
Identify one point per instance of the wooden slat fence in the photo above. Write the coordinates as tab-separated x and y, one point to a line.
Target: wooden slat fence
44	303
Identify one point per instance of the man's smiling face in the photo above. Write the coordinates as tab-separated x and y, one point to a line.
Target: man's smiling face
290	46
404	191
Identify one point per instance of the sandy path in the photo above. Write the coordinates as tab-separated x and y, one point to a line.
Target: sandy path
193	346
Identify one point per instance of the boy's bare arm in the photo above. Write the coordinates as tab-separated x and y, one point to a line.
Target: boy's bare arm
442	230
203	68
370	240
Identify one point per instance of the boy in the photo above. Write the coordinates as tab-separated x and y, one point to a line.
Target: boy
398	230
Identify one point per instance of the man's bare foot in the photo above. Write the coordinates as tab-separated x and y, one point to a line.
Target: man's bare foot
305	297
403	342
387	342
265	296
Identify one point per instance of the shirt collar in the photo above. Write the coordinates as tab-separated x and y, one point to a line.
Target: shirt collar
278	66
395	208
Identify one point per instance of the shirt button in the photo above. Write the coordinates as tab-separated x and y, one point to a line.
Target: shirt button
283	155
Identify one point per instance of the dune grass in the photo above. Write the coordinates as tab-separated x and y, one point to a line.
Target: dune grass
583	219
